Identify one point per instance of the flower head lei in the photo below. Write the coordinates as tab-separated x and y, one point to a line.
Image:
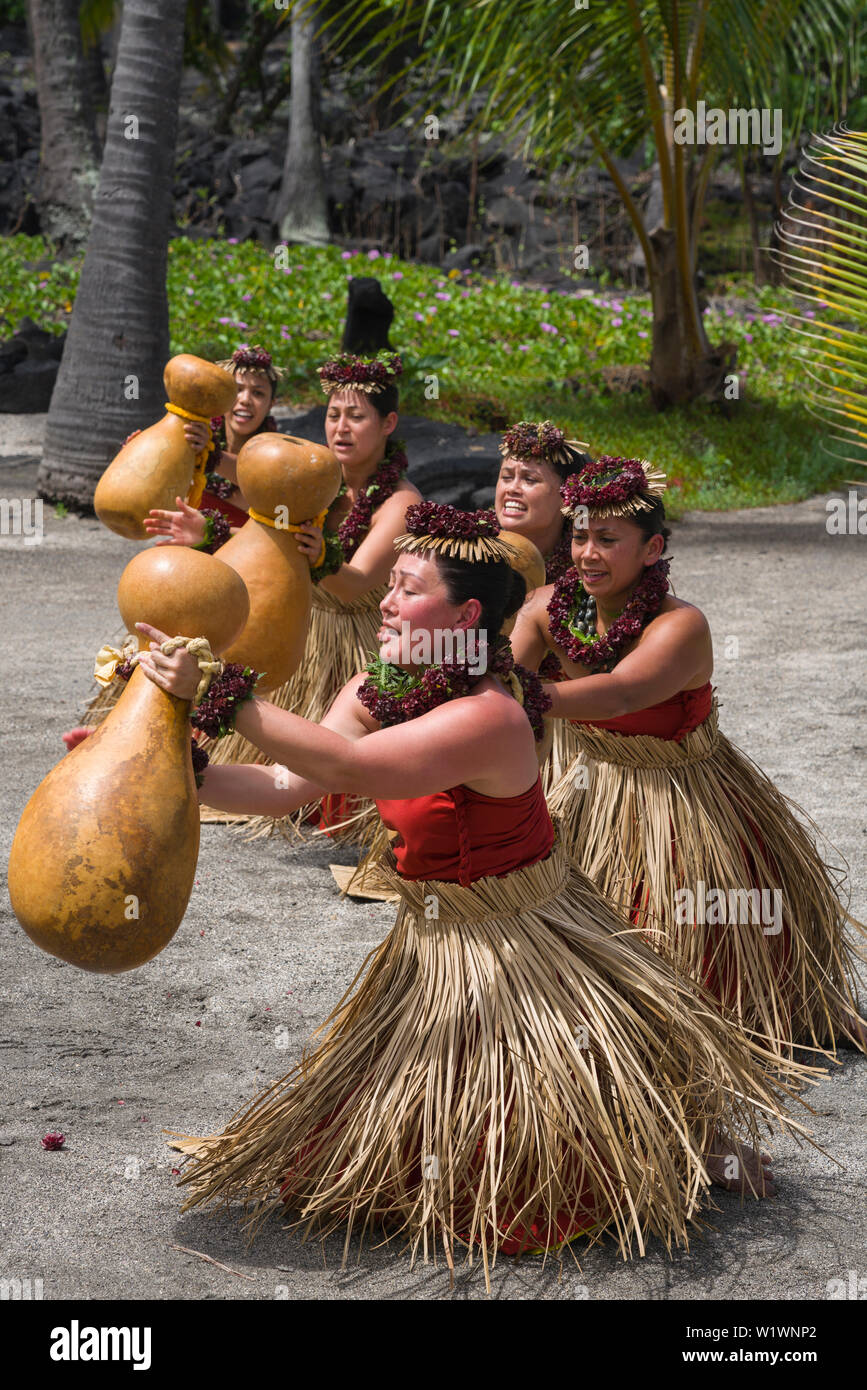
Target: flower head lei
543	442
611	486
437	526
252	359
368	374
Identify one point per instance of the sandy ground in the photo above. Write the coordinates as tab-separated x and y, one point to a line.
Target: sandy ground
267	948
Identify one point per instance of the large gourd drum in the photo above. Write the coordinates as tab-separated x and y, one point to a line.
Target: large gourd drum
104	857
157	465
286	481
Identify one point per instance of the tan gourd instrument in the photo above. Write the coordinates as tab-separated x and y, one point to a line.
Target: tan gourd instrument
528	561
286	481
104	857
158	465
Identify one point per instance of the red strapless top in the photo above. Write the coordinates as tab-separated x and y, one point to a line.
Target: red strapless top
234	514
671	719
460	835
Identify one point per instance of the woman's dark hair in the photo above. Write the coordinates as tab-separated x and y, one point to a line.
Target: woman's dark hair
651	522
500	589
576	461
385	401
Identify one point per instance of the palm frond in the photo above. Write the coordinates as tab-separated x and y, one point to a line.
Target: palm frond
823	254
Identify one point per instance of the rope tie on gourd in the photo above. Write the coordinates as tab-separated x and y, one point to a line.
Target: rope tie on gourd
197	486
318	521
109	659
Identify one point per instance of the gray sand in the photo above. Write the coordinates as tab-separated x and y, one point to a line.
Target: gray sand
267	947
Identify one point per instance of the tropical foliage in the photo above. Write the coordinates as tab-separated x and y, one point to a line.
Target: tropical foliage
824	255
617	76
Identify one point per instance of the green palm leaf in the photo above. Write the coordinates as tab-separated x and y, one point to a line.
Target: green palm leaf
824	258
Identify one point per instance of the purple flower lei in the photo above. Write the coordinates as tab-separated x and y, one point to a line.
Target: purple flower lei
440	519
607	479
246	358
527	440
366	374
383	484
218	486
341	545
604	651
441	683
215	715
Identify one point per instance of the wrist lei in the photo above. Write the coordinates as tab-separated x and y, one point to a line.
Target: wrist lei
341	545
215	716
219	487
394	696
200	762
572	614
218	529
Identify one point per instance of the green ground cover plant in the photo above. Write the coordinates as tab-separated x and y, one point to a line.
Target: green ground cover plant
495	350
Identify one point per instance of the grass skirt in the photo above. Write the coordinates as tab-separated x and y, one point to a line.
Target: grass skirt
647	818
512	1072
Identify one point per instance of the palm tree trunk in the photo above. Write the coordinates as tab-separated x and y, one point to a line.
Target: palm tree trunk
69	160
302	209
683	364
110	378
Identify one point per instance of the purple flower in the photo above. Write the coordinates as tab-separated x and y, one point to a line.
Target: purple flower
547	328
346	255
224	320
245	297
418	316
809	313
642	333
748	337
397	275
439	295
327	295
453	333
616	323
233	241
523	347
373	255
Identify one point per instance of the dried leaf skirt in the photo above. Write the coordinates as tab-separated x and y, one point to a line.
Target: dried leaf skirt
658	825
511	1068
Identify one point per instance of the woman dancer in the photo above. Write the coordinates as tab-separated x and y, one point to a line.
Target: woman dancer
467	1092
537	460
358	539
257	379
673	823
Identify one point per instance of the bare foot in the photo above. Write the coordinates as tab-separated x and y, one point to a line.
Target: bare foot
73	737
738	1168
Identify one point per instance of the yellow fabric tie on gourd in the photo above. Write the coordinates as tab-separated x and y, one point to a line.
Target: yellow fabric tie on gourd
197	486
318	521
109	658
